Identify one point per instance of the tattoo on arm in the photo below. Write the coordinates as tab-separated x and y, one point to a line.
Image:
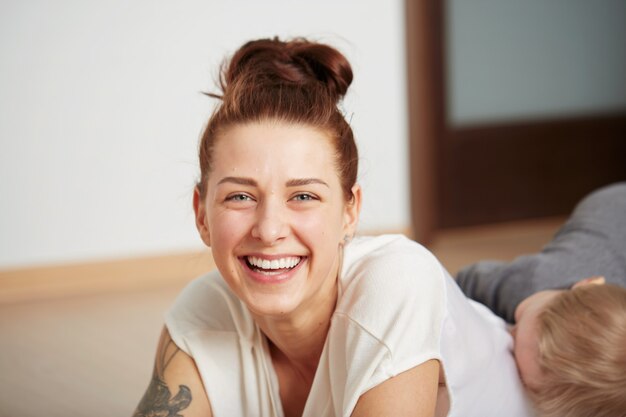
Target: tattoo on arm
158	401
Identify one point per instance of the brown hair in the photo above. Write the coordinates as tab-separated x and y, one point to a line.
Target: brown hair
295	81
582	354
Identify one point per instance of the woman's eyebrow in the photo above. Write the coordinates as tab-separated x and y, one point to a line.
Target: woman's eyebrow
238	180
305	181
298	182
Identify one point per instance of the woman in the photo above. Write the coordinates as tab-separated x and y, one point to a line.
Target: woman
301	319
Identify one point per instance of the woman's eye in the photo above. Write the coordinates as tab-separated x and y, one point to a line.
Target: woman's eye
304	197
238	197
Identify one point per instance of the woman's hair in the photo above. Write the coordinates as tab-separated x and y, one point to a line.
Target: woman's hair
298	82
582	354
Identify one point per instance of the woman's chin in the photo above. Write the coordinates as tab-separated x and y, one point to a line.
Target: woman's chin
278	306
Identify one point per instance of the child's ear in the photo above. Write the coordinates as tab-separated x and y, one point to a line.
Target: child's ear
597	280
200	214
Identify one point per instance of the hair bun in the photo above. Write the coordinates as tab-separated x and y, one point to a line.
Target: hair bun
272	62
294	82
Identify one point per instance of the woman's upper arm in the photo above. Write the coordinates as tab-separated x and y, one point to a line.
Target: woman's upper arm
411	393
176	388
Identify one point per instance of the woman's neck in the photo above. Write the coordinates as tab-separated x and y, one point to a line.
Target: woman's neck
296	344
297	340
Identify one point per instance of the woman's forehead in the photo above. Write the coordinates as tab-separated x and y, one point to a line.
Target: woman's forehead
262	148
280	143
272	129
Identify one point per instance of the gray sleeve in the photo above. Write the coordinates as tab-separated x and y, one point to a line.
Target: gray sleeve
592	242
501	286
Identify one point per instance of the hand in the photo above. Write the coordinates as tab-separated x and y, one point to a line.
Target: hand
595	280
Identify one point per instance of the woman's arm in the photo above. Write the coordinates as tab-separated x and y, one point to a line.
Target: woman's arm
411	393
176	388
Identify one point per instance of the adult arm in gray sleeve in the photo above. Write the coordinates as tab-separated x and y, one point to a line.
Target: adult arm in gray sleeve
501	286
592	242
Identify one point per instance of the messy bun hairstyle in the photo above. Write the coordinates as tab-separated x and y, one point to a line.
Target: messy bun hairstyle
296	81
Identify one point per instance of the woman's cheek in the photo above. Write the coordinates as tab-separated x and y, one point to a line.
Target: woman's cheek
230	225
319	224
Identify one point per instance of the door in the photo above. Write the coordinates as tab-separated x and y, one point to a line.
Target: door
505	169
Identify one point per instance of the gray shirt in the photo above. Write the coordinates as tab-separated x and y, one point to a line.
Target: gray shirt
591	242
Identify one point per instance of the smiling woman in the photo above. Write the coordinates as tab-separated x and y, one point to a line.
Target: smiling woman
285	204
301	318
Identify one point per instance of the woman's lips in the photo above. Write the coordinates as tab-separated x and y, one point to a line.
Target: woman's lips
272	264
271	269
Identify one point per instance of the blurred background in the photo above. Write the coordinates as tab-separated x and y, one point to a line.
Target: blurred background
480	123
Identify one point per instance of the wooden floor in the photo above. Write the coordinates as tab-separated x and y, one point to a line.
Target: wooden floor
91	355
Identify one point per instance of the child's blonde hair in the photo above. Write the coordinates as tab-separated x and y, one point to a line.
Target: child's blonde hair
582	345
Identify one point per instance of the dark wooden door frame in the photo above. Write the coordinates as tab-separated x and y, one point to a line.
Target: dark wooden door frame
499	171
426	111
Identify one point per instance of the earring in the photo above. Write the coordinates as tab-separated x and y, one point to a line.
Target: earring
346	238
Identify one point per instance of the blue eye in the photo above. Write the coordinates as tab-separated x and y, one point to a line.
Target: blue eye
238	197
304	197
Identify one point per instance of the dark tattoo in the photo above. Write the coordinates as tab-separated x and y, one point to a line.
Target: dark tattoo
158	401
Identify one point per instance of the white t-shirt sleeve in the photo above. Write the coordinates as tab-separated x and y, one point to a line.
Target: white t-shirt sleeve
205	304
211	325
390	314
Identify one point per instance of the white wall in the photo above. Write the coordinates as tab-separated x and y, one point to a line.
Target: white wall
100	114
528	59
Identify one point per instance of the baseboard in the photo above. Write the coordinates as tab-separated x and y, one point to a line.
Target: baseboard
30	284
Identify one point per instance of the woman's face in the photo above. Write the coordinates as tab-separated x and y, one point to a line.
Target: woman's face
275	215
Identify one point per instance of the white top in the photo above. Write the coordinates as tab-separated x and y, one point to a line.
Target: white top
397	308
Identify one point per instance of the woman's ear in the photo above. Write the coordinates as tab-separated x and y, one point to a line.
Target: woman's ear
352	212
200	214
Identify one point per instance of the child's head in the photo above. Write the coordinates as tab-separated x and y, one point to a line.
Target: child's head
571	350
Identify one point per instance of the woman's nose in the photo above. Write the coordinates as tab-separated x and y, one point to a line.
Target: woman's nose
271	225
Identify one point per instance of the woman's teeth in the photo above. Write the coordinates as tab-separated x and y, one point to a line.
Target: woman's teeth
273	265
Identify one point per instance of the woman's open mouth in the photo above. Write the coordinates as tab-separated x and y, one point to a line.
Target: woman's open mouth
272	270
272	266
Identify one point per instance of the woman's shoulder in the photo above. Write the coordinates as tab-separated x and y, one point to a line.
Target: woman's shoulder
391	301
206	304
390	279
389	257
385	245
